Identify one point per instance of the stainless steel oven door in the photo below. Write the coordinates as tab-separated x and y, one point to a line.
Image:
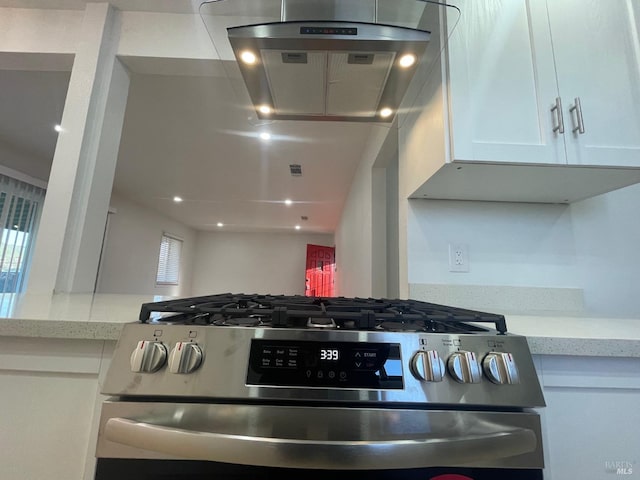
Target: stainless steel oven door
319	438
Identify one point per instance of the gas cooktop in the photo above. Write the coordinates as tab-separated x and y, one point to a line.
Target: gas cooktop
310	349
283	311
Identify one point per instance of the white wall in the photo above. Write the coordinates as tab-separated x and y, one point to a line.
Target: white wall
515	244
31	30
590	245
379	202
132	248
165	35
422	133
354	244
607	245
393	247
252	262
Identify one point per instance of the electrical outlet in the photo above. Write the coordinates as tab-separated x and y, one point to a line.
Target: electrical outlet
458	257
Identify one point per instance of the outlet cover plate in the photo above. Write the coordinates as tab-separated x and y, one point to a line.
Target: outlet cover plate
458	257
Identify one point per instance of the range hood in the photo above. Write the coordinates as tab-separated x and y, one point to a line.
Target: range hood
326	68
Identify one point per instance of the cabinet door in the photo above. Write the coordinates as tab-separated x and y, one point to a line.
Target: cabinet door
591	419
597	58
502	83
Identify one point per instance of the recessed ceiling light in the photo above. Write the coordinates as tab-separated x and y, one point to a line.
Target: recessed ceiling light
220	224
265	109
288	202
177	199
58	128
385	112
248	57
265	136
298	227
407	60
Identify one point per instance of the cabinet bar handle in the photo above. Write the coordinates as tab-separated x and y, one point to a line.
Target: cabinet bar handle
558	108
578	109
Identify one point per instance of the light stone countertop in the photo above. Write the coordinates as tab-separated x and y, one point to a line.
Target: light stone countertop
101	316
579	335
73	316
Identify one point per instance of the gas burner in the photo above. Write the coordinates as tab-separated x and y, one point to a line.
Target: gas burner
391	326
322	322
255	321
244	303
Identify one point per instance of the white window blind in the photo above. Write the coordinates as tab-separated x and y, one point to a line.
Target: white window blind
169	261
19	214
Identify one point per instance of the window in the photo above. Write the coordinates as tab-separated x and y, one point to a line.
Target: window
169	261
19	213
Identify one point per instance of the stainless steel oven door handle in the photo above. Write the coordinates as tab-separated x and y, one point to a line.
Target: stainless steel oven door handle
320	454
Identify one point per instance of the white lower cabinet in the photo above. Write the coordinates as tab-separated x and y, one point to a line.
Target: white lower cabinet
591	425
48	403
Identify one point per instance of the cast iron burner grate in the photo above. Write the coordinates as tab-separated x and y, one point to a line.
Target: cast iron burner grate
295	311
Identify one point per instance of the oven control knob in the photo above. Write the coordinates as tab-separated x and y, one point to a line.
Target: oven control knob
185	357
427	366
464	367
148	357
500	368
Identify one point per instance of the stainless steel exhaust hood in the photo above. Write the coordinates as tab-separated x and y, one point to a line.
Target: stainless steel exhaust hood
326	68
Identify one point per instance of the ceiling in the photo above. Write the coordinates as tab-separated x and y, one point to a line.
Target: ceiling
190	136
32	104
168	6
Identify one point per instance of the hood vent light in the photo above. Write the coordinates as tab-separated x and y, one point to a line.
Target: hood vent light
360	59
334	70
295	169
294	57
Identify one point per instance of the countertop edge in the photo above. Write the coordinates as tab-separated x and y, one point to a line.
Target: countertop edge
60	329
584	347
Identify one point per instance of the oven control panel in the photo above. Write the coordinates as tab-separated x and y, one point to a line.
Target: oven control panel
339	365
325	364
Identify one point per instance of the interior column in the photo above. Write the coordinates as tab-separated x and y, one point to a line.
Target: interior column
69	239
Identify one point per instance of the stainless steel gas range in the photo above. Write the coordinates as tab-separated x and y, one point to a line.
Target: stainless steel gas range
255	386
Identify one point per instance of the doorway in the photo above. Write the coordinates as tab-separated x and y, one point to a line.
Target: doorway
319	274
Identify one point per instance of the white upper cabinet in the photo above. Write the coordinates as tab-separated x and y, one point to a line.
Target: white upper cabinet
540	103
597	57
503	83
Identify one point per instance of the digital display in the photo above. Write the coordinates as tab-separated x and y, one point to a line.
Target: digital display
329	354
325	364
328	31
